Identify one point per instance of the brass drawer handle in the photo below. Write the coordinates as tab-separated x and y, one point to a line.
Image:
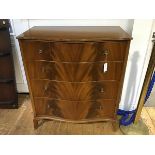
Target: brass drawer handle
104	52
46	69
40	51
102	90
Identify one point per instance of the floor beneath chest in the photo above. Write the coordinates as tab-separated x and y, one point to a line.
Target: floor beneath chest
19	122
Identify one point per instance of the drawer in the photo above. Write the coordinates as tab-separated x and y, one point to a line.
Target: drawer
75	91
74	72
7	92
6	70
36	50
88	51
75	110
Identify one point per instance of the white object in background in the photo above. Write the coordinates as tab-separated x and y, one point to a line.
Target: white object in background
105	67
137	64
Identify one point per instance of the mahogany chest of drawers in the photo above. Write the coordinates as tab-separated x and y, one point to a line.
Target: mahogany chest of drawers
75	74
8	92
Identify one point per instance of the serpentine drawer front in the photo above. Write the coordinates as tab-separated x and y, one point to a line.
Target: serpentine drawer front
75	74
74	91
75	110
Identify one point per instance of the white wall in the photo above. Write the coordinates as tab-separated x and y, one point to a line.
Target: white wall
22	24
126	24
139	54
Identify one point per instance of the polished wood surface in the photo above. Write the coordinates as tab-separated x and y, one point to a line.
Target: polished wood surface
75	91
88	51
68	79
75	110
4	41
8	92
75	33
4	24
6	71
74	72
4	36
36	50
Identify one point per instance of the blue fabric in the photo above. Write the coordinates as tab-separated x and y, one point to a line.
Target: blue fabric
151	84
129	116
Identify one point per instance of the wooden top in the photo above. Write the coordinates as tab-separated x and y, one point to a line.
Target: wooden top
75	33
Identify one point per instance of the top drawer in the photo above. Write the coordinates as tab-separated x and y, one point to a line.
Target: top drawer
74	52
36	50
